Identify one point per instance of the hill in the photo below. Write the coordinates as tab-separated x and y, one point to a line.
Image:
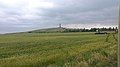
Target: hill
48	30
61	29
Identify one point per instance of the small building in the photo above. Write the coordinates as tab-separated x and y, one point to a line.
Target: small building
101	32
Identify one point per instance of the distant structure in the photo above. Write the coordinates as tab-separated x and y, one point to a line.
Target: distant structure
116	30
98	31
60	26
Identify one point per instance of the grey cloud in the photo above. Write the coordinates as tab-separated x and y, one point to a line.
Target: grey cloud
104	12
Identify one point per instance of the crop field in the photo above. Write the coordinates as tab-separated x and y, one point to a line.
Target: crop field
84	49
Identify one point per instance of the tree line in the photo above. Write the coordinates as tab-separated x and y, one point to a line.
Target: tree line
91	30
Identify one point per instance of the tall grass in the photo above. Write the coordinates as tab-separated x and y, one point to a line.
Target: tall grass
58	50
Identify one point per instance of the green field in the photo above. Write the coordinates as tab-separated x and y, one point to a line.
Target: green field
58	50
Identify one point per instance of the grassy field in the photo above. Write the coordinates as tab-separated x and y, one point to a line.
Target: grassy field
58	50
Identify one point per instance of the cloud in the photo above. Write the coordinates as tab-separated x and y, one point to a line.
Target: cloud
22	15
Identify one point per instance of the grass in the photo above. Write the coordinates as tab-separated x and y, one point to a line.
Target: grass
58	50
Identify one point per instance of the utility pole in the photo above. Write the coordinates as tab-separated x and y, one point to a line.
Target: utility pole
119	40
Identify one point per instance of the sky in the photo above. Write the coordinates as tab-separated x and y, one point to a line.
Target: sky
25	15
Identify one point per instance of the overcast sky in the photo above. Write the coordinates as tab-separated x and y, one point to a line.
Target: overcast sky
23	15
